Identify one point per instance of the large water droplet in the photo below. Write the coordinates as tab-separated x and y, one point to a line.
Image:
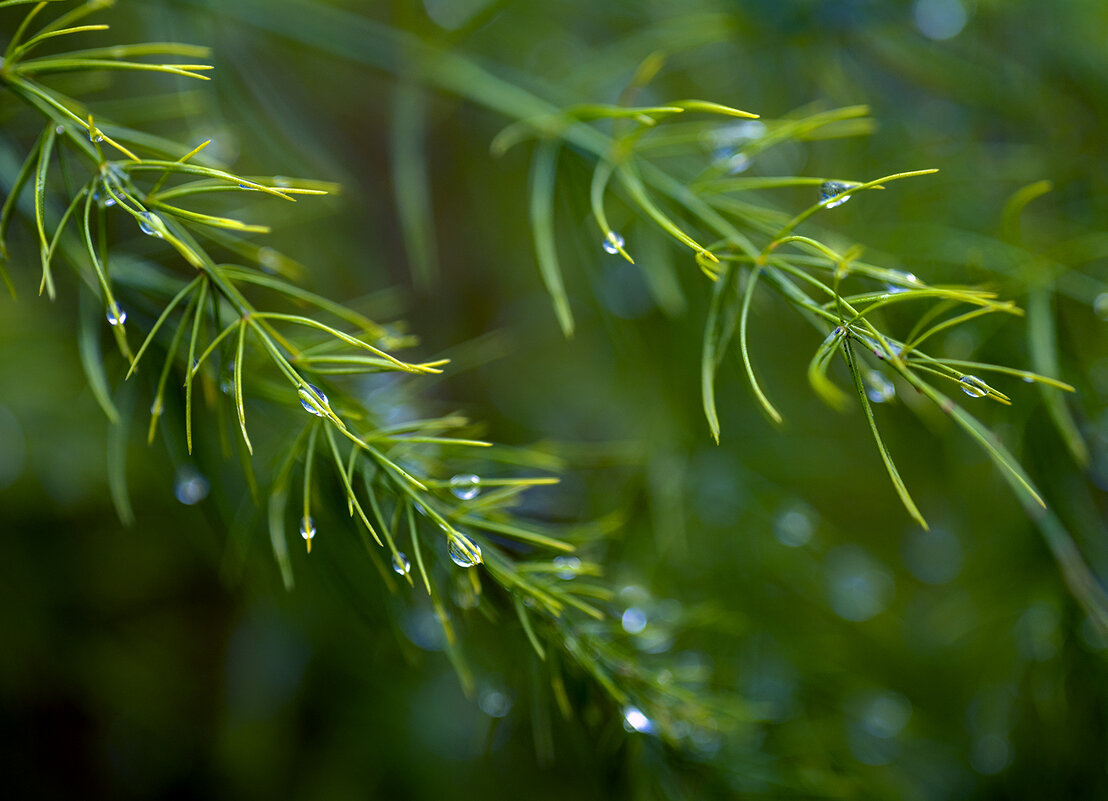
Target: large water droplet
191	487
879	389
974	386
633	620
465	486
828	190
400	564
567	566
635	720
116	315
318	407
612	243
307	529
150	224
1100	306
466	555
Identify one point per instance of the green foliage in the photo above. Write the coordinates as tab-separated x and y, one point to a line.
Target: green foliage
751	611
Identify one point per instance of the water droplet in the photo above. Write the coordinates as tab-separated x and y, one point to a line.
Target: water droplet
828	190
307	529
150	224
400	564
191	487
567	566
156	406
280	181
612	243
974	386
227	380
464	552
1100	306
317	407
635	720
465	486
904	278
59	130
95	137
879	389
116	315
633	620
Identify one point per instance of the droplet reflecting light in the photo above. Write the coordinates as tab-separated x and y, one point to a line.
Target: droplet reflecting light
150	224
307	531
465	486
400	564
635	720
466	555
974	386
829	189
567	566
116	315
311	405
879	389
612	243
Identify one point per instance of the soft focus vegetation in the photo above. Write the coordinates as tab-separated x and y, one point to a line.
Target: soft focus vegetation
830	511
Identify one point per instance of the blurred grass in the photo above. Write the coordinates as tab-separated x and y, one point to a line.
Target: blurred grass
161	661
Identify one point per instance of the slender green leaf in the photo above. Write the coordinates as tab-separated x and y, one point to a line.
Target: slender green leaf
92	360
890	466
751	283
544	166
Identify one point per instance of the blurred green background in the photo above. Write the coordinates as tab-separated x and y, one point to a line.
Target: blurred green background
163	660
